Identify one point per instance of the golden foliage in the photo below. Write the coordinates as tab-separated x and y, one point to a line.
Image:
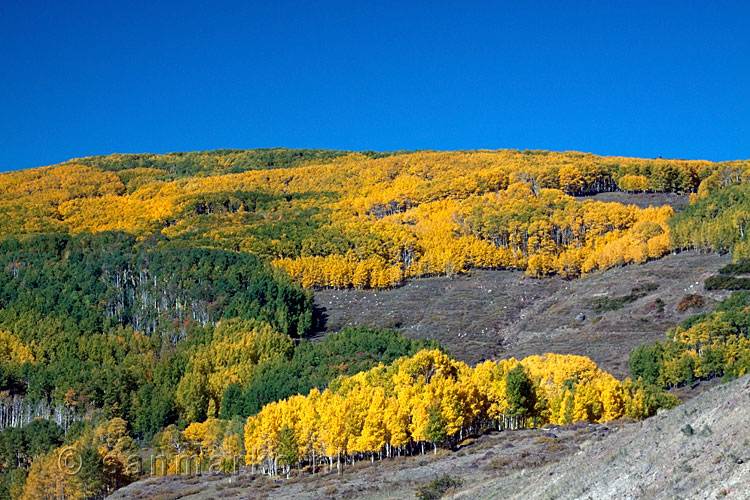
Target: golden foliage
430	398
54	475
13	351
231	357
392	218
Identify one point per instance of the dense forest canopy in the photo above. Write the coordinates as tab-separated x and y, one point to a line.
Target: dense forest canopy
164	299
340	219
218	161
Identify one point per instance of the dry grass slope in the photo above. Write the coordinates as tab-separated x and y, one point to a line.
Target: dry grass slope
499	314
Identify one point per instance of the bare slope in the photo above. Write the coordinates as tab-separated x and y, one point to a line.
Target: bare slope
480	459
641	200
498	314
698	450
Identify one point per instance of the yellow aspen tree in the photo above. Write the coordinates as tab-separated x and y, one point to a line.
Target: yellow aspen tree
613	400
396	419
373	434
333	436
570	180
586	403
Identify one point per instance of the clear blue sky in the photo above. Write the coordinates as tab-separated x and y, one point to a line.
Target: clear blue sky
633	78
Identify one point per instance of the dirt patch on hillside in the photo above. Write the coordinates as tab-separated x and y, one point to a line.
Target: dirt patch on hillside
641	200
498	314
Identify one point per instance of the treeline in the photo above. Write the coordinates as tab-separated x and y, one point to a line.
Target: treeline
219	161
409	406
430	400
576	173
545	233
704	346
344	353
245	365
718	215
311	367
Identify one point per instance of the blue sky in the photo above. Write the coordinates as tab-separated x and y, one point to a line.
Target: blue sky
646	79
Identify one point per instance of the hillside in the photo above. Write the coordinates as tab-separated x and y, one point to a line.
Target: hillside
698	450
299	307
499	314
341	219
657	458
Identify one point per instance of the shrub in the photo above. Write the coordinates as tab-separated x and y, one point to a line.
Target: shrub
436	488
657	306
614	303
741	267
646	287
691	301
725	282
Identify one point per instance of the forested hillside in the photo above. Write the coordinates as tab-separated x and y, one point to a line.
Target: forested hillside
371	220
161	300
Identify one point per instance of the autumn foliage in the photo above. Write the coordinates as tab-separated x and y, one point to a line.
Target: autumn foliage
429	400
149	297
704	346
337	219
94	465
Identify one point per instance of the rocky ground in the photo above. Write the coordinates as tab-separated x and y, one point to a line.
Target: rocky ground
698	450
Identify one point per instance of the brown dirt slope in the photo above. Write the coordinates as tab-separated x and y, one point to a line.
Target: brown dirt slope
698	450
641	200
498	314
479	459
